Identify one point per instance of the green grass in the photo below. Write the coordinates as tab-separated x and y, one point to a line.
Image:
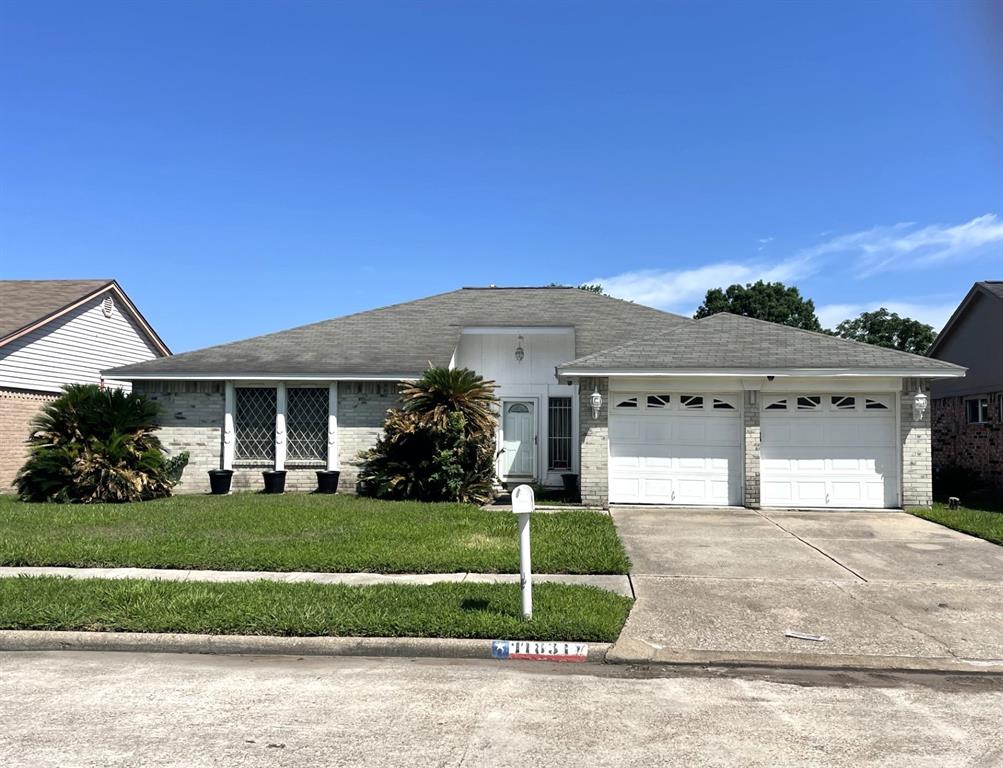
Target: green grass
302	532
560	611
985	524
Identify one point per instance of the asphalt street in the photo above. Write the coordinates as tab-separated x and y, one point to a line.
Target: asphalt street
107	709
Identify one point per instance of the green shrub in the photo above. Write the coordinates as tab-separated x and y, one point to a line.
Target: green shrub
440	445
96	445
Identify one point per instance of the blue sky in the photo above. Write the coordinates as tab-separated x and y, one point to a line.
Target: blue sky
242	167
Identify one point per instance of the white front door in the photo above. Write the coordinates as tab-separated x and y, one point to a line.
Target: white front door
518	452
831	450
669	448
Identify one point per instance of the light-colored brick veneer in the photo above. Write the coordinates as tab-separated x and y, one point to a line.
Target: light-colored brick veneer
915	435
752	436
192	420
594	442
17	408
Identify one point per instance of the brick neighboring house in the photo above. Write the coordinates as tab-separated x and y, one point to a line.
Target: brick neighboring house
645	406
57	332
968	413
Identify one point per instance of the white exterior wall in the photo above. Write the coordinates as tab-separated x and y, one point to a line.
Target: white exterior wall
74	349
492	355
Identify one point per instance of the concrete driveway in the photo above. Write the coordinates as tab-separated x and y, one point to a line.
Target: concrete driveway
886	589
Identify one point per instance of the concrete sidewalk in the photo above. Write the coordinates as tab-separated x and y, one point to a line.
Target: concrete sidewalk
618	584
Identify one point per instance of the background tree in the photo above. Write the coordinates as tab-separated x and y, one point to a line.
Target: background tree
775	302
590	287
887	329
94	445
440	444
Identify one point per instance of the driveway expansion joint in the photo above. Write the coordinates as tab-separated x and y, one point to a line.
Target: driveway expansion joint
809	544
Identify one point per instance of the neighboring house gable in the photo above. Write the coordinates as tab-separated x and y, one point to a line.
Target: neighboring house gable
59	332
968	413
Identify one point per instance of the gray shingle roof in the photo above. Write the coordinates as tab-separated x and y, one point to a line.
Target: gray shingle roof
729	342
995	287
402	339
25	302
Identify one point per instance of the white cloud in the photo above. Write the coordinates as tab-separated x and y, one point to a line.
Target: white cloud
931	313
902	245
862	254
683	290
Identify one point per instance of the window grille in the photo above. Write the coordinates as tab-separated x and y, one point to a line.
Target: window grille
659	401
559	433
306	424
630	402
254	423
843	402
691	402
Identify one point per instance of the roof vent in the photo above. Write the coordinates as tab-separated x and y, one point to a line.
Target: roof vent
108	306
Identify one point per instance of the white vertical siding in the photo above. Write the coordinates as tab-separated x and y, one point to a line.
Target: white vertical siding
74	349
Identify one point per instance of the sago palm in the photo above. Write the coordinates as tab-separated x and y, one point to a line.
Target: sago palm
442	391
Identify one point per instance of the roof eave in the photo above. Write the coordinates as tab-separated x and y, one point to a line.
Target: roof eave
125	375
954	372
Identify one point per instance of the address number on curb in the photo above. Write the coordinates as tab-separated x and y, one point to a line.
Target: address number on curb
533	650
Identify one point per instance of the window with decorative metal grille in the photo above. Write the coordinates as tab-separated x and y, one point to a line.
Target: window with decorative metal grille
559	433
306	425
254	423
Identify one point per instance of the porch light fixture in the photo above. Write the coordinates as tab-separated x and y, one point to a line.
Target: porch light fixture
920	402
520	353
596	401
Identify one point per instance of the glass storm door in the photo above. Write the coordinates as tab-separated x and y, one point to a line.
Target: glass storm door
518	456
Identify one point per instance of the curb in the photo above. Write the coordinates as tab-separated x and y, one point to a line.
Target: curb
255	645
807	661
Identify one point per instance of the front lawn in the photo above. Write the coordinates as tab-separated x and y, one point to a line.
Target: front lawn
976	522
465	610
302	532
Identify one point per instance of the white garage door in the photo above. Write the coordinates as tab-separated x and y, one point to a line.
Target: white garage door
833	450
675	449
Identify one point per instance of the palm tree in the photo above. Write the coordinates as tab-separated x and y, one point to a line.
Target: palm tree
442	391
92	444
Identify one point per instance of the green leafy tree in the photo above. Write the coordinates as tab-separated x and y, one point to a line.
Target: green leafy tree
440	444
887	329
775	302
96	445
590	287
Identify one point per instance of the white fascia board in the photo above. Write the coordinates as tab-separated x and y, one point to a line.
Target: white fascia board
529	330
261	377
779	372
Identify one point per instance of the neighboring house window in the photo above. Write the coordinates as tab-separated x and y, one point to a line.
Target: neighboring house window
306	424
559	433
977	410
254	423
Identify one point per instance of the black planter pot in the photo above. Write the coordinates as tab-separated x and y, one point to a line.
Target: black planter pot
327	480
219	481
570	482
275	480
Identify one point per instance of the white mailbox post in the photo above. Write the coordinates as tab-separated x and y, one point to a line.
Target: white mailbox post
524	504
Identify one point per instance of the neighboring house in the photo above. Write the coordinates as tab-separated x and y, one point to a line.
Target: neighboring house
968	413
648	407
57	332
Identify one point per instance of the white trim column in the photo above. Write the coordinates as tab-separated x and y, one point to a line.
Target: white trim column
280	426
229	436
333	462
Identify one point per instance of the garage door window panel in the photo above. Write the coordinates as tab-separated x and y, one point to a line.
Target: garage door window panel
659	401
627	402
691	402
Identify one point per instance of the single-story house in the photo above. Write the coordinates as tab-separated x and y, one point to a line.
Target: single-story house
58	332
968	413
646	406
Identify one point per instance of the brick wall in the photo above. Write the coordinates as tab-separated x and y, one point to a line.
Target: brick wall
752	435
977	448
362	406
192	420
594	442
17	408
917	466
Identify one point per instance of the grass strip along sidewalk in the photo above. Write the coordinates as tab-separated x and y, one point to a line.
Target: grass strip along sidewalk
302	532
975	522
467	610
